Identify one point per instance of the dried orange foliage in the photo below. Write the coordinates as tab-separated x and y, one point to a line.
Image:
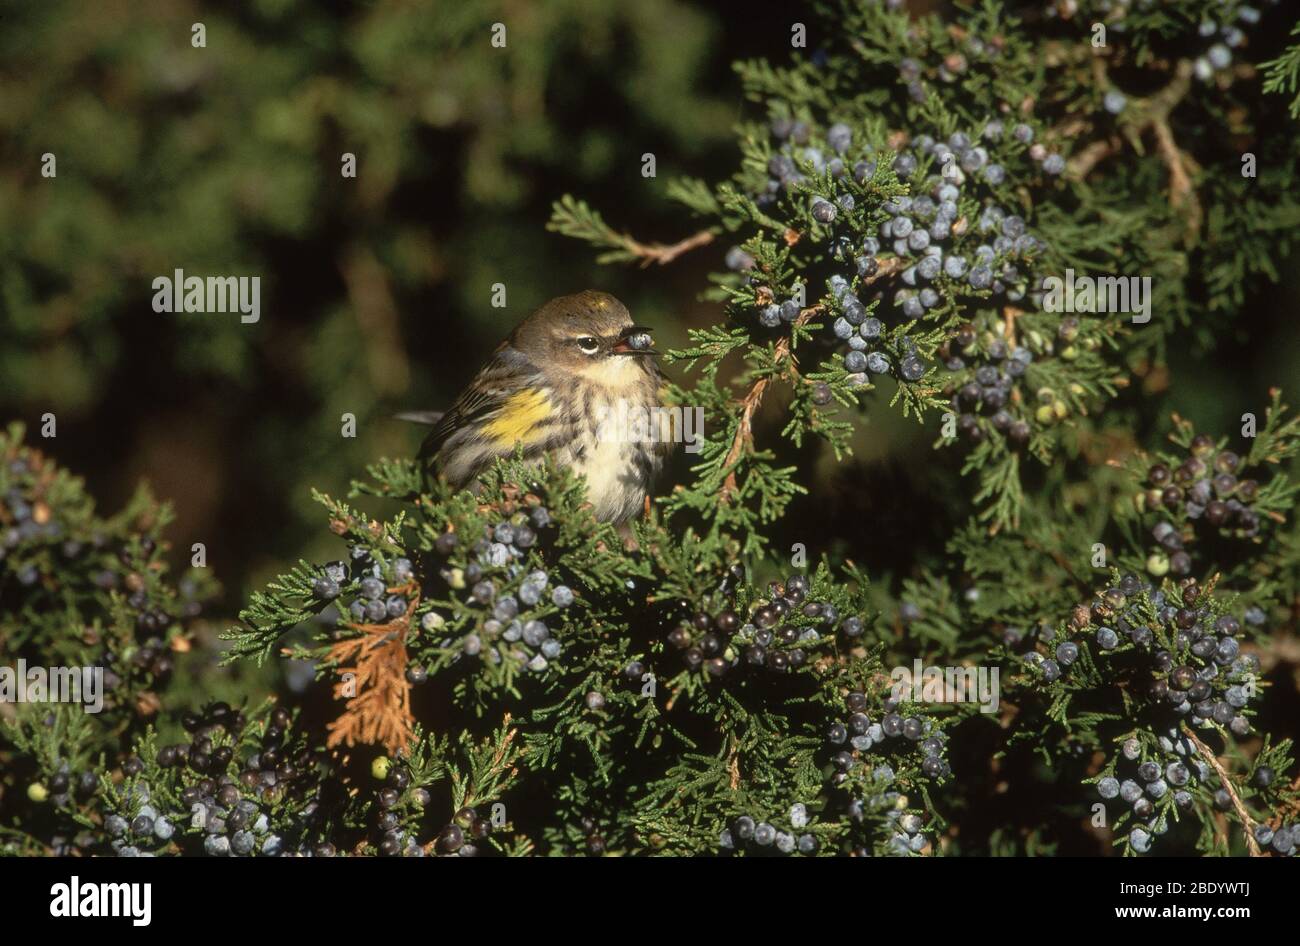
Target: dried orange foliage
378	696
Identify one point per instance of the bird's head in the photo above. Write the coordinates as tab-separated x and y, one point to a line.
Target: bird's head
588	333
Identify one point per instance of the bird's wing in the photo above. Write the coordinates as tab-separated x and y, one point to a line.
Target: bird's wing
505	377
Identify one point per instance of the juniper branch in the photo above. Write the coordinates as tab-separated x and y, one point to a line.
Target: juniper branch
744	435
1247	823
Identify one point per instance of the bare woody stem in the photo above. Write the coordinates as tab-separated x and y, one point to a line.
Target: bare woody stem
1153	113
1247	823
744	437
1181	191
664	253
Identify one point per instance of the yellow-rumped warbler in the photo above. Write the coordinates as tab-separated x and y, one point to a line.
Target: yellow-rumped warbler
559	385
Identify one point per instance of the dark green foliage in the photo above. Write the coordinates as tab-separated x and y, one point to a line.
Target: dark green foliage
78	590
501	674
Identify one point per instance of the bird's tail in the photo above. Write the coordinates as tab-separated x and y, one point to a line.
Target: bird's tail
428	418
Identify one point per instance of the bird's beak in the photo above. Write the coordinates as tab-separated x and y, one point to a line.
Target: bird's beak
624	344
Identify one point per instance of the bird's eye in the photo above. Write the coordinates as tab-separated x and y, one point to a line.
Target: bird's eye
588	344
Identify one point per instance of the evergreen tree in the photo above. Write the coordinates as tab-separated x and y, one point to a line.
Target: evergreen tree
1000	225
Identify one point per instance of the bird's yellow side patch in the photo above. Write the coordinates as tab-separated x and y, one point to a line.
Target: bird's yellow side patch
520	419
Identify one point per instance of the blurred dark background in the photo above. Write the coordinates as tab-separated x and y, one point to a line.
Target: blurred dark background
375	290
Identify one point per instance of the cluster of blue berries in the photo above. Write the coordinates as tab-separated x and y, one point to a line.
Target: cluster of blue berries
951	66
51	544
946	176
908	838
1167	771
464	835
865	335
28	523
858	734
905	836
773	314
365	579
35	541
1221	33
921	226
1224	38
238	803
65	789
1196	665
795	151
777	635
764	838
949	235
984	391
511	601
398	796
928	227
135	827
1204	487
988	389
1164	774
898	739
1282	840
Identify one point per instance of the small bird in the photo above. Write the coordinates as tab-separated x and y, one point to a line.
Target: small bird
558	386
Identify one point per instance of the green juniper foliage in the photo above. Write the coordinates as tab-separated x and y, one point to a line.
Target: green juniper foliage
510	676
78	590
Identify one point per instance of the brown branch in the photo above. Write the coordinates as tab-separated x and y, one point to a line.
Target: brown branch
1152	115
1181	191
1009	315
1089	157
1247	823
664	253
1179	183
744	437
